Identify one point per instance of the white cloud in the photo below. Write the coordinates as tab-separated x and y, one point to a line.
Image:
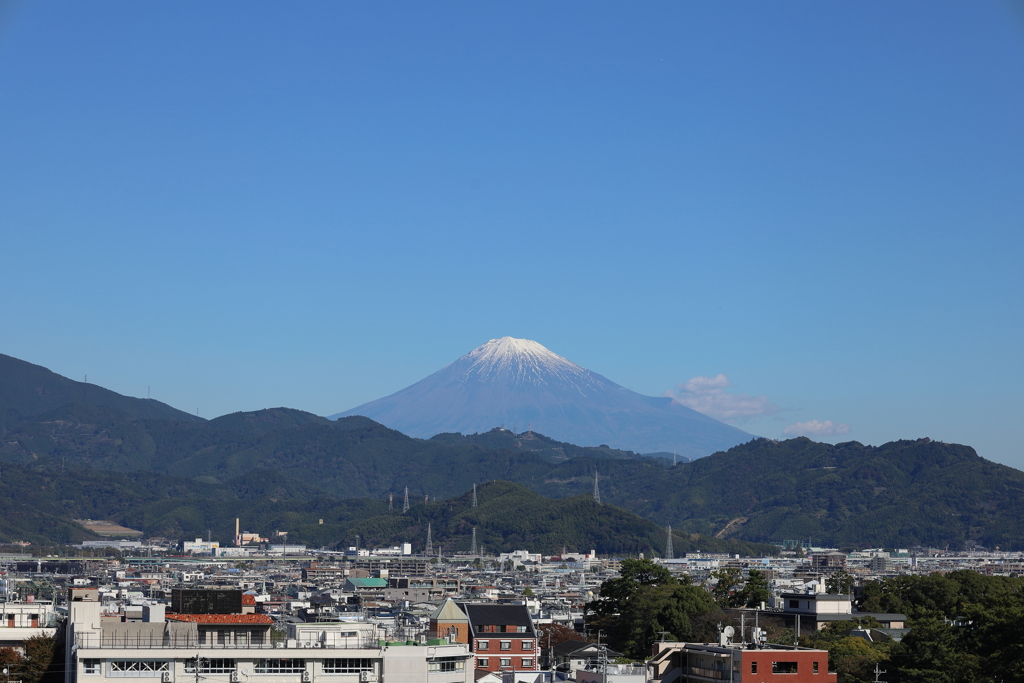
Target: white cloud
815	428
708	395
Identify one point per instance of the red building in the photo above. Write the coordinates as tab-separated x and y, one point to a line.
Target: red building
769	663
501	637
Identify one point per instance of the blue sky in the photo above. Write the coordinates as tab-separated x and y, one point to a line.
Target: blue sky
245	205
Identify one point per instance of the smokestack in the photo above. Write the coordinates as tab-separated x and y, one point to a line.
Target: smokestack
238	537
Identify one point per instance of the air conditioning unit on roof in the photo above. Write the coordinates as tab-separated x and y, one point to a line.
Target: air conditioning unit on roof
165	677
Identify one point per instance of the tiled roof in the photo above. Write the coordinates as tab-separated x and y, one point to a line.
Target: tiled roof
503	615
248	599
222	618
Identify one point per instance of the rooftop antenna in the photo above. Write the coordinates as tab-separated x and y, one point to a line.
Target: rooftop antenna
430	545
472	548
670	553
405	505
597	491
474	495
391	502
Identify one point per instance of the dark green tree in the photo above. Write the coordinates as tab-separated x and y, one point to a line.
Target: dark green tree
756	590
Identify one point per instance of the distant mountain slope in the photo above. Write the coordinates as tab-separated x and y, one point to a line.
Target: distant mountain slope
518	383
899	494
511	517
31	389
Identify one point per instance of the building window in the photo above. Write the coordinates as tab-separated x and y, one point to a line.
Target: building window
753	667
137	668
347	666
527	645
483	644
445	664
527	662
506	662
483	663
506	645
280	666
814	667
210	666
783	667
794	604
91	666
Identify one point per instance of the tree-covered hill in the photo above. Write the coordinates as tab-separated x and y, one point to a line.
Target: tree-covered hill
28	389
901	494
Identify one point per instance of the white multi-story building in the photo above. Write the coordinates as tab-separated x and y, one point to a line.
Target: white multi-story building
239	648
20	621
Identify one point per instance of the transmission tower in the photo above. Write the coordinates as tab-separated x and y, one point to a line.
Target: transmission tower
670	553
405	505
597	491
472	548
474	495
430	545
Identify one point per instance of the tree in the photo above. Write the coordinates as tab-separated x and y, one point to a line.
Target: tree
724	590
839	583
756	591
528	592
645	600
38	656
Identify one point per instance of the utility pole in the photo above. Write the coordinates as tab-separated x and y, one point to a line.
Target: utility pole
878	673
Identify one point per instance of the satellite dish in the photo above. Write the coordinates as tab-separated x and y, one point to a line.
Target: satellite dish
728	631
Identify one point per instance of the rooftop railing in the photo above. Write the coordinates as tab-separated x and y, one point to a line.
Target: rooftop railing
140	641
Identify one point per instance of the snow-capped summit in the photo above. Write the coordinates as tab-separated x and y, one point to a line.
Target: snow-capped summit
518	382
520	361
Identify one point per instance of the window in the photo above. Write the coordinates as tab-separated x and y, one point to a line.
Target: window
814	667
520	629
280	666
222	637
210	666
483	662
347	666
137	668
91	666
256	637
794	604
783	667
527	645
483	644
445	664
506	645
753	667
527	662
506	662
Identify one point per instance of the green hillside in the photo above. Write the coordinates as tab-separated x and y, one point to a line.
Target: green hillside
29	389
899	494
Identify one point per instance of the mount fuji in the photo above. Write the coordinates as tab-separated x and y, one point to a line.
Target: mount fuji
520	384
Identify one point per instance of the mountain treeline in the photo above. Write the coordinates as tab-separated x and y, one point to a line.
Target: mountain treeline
900	494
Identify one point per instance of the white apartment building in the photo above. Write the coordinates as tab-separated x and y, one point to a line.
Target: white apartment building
20	621
239	648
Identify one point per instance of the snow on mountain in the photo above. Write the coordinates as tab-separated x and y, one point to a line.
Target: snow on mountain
519	383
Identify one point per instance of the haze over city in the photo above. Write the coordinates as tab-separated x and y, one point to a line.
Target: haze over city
795	218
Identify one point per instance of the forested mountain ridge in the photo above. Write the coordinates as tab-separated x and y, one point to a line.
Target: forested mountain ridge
29	389
899	494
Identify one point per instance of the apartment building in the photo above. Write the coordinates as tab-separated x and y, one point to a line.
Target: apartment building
246	648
